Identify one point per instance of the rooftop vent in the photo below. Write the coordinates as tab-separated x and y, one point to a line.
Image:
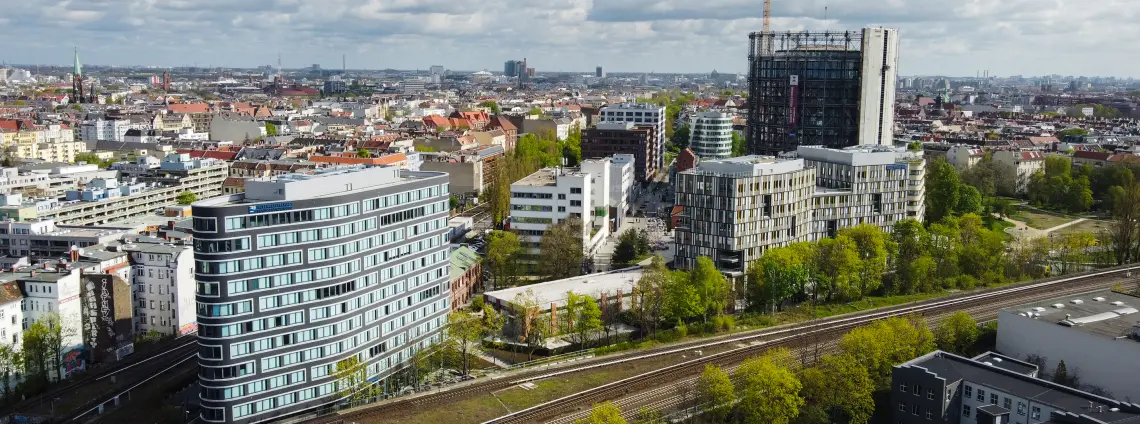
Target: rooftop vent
1077	301
988	363
1039	309
1059	305
1098	299
995	359
1118	303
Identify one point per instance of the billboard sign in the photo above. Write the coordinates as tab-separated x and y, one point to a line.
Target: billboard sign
793	99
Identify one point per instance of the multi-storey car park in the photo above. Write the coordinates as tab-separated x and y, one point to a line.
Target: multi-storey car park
304	271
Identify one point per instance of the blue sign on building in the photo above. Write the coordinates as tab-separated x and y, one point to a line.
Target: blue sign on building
896	166
272	207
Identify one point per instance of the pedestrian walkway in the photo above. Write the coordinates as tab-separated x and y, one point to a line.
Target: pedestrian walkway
1023	231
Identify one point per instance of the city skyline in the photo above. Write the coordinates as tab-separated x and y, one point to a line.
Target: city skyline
1016	37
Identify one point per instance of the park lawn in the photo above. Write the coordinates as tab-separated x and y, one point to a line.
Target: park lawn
1040	220
1096	228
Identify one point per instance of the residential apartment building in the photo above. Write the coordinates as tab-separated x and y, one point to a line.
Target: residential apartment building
108	200
107	129
11	315
623	138
945	388
162	285
42	239
1022	165
302	272
964	157
642	114
623	188
552	195
50	290
733	210
710	135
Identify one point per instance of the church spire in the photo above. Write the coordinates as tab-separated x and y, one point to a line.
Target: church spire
78	67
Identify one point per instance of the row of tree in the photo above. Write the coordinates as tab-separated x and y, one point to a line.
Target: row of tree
780	387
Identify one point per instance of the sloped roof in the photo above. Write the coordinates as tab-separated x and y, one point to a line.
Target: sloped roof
462	259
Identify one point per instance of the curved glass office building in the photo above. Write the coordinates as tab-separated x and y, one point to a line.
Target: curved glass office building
305	271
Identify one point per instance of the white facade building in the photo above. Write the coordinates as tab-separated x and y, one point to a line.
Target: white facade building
623	180
162	284
733	210
49	291
1022	165
710	135
100	129
877	88
552	195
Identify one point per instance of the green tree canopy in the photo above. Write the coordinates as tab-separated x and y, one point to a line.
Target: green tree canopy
871	249
681	138
503	248
187	197
769	393
270	129
941	190
716	393
840	386
604	413
886	343
491	105
957	334
560	249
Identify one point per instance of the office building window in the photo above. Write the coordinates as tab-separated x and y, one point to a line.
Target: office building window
969	391
1036	413
981	395
902	406
966	411
993	398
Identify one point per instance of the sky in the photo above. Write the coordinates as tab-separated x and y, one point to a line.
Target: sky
938	37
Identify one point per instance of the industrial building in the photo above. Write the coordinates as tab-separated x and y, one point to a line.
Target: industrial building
944	388
305	271
1096	334
733	210
833	89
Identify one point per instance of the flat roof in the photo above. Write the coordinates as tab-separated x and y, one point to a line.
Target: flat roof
547	177
955	368
1103	313
591	284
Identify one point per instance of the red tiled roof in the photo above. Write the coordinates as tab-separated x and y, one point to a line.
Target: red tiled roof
189	108
436	121
1124	157
1082	154
503	123
234	182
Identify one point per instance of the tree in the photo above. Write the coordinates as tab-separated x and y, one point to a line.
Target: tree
941	190
55	338
11	362
572	146
647	302
351	377
560	250
739	148
364	153
681	138
92	159
1058	188
716	393
1125	229
187	197
837	267
453	202
842	388
468	331
871	248
682	297
957	334
270	129
779	276
503	248
627	250
909	243
1061	373
588	319
768	393
604	413
535	111
969	200
529	324
491	105
711	287
883	344
37	352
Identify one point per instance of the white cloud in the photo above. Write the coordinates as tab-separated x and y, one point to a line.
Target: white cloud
938	37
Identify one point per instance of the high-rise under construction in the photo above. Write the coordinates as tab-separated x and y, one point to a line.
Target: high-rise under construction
834	89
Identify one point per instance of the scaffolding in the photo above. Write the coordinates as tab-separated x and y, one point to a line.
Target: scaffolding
804	90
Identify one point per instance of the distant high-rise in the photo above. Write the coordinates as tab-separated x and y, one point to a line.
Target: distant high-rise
600	72
511	68
711	136
833	89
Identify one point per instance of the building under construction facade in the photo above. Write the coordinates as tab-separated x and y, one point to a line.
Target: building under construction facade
832	89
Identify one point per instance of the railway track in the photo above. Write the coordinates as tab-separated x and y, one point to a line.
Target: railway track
665	397
760	339
122	372
798	337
